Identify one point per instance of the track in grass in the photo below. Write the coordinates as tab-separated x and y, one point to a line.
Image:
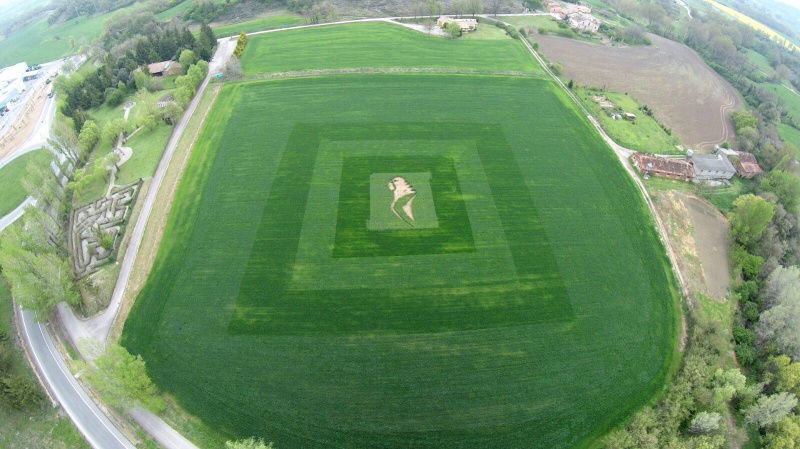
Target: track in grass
539	312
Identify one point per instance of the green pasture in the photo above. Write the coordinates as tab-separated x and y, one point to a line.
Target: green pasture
760	61
40	42
539	311
792	99
12	193
643	134
377	45
262	23
791	135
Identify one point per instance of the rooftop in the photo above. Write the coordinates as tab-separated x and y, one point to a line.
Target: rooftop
712	162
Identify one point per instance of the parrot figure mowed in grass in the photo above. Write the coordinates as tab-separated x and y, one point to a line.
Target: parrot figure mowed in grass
404	196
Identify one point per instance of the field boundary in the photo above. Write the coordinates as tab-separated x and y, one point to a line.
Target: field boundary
393	70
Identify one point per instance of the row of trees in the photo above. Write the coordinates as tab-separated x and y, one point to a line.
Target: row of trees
16	389
123	74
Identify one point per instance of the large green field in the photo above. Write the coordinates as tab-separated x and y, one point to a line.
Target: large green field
791	135
377	45
529	302
12	193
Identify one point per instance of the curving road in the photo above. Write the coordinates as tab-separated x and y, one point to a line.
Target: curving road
95	426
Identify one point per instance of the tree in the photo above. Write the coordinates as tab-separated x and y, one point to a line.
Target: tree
783	373
494	6
113	129
459	7
785	435
742	120
705	422
435	7
785	185
233	69
474	7
39	278
90	134
21	391
64	141
768	410
123	381
780	321
250	443
187	58
747	263
749	218
453	29
727	383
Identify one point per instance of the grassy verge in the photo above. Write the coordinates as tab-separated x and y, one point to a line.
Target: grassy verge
644	134
40	426
12	193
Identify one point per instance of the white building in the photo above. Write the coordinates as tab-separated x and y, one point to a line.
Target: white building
11	84
584	21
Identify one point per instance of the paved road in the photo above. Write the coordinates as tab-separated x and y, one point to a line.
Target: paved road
95	426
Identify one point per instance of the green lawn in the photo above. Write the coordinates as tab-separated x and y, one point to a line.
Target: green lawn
540	312
263	23
38	42
643	134
40	427
12	194
792	99
147	148
791	135
760	61
486	31
377	44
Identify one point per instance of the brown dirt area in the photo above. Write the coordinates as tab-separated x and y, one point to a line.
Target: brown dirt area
24	124
698	234
158	216
686	94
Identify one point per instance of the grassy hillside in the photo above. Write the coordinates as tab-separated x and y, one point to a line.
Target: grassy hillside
13	194
539	313
377	44
791	135
39	42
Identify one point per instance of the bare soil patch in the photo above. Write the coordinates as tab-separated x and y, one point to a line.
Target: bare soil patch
685	93
711	238
24	124
698	234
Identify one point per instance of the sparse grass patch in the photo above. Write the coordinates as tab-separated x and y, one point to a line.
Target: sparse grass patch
791	135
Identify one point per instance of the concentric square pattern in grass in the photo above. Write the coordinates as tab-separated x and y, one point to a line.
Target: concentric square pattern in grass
477	256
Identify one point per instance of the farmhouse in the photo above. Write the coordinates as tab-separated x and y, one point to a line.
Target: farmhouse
164	68
746	165
663	166
467	25
710	166
584	21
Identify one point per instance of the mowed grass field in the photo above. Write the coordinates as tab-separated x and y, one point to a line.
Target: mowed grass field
536	310
377	45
